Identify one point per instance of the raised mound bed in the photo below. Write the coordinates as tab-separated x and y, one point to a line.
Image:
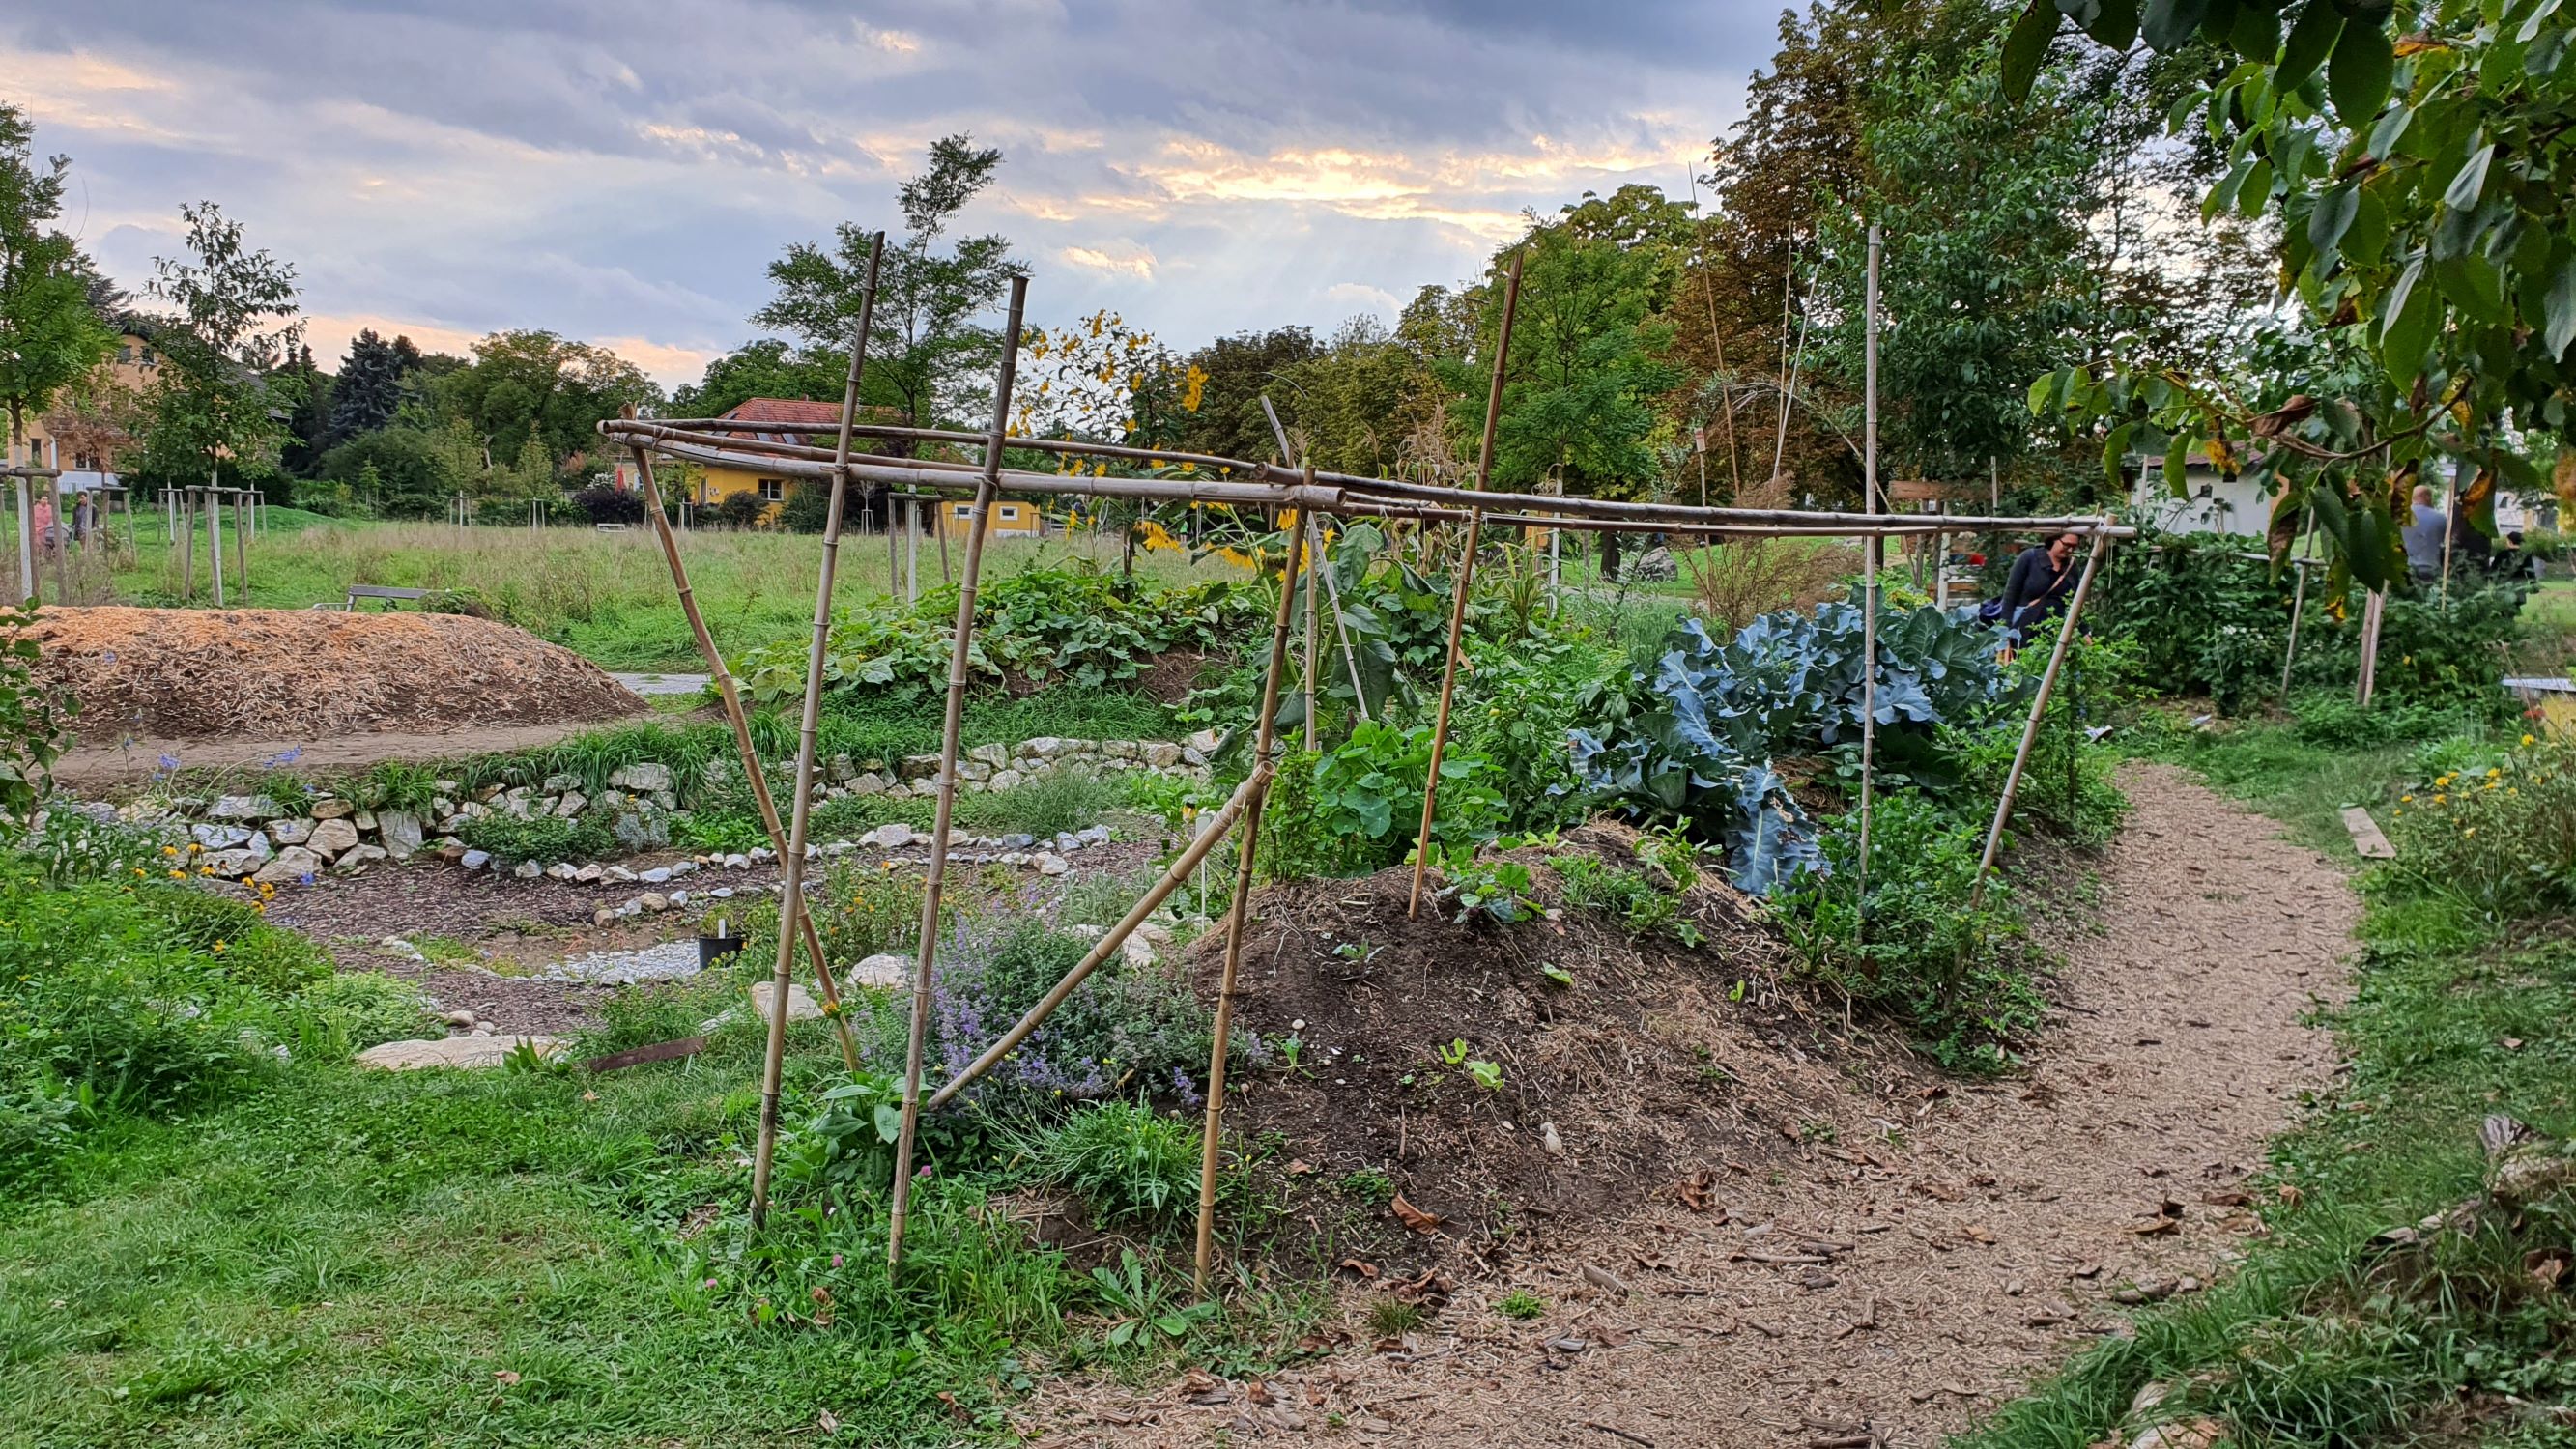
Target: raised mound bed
279	673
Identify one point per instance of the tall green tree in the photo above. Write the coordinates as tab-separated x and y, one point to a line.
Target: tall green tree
233	316
765	367
368	391
2423	187
932	345
1239	369
534	385
1360	401
50	337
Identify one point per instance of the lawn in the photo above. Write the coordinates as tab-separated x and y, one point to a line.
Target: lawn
605	595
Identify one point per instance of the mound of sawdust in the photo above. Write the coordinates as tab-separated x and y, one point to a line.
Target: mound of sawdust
280	673
1658	1063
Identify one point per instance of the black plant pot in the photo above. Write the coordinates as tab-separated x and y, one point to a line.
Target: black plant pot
712	949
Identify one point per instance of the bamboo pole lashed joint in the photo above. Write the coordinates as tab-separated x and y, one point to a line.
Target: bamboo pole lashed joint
1458	594
2030	726
800	807
961	640
1265	741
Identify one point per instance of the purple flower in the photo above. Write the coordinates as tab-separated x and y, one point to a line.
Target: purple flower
305	879
286	757
169	763
836	1258
107	656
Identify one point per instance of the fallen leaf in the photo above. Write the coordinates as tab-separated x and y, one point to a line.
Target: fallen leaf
2288	1194
2227	1199
2513	1043
505	1376
1414	1217
1365	1270
1258	1392
2156	1227
2546	1264
1694	1191
1300	1168
2088	1270
827	1423
1976	1234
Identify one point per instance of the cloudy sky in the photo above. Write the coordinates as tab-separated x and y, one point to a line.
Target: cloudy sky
622	172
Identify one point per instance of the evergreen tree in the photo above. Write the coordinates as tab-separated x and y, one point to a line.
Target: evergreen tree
369	388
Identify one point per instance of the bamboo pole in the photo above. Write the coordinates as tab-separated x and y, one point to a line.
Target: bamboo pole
2373	613
1264	742
2030	727
2450	529
1212	832
1316	568
744	749
2298	602
1872	560
215	543
1310	540
241	545
1458	594
960	641
800	806
186	539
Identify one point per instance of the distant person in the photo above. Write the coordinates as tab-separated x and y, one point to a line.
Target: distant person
2424	537
2469	545
2040	581
2513	561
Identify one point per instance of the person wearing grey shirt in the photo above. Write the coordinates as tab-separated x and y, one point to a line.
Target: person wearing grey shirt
2425	536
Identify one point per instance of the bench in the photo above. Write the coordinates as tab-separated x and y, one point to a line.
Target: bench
389	596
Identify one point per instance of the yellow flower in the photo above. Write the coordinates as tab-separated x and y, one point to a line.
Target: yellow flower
194	848
2405	799
2528	740
219	948
169	850
2465	834
178	875
2493	771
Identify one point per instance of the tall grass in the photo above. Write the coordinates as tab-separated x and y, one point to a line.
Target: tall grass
606	595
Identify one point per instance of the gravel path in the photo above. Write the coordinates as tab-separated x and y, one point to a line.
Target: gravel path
1973	1247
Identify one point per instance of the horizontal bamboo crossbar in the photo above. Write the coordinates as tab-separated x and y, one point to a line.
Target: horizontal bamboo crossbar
1263	485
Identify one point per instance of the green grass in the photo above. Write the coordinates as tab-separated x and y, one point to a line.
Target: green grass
360	1258
607	596
2323	1338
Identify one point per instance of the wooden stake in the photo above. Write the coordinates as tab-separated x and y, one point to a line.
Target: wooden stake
1212	831
1872	559
1316	567
747	752
215	543
1265	742
1458	595
2372	614
800	806
960	641
2298	603
2030	727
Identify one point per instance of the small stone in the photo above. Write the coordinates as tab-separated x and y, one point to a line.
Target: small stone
359	856
1161	755
658	875
560	870
292	864
327	808
332	837
452	1051
529	870
882	969
1050	863
1136	952
737	861
245	807
1205	741
643	777
1006	780
1547	1138
589	873
556	784
869	782
365	820
399	832
800	1006
894	835
604	916
654	901
475	859
618	875
571	804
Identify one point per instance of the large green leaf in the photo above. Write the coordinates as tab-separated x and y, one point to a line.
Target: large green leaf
2357	75
2560	326
2406	325
2312	38
2027	46
2333	215
2474	284
2169	24
2470	182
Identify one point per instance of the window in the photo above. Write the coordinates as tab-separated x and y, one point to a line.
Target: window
1010	513
962	510
772	490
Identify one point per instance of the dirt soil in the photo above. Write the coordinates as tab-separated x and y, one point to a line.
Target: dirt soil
1896	1261
308	676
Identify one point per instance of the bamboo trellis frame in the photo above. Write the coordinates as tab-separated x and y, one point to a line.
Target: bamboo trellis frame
1266	486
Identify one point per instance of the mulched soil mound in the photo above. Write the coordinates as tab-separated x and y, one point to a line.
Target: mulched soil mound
199	673
1660	1063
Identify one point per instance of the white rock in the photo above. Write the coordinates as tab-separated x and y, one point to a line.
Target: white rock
475	859
452	1051
604	916
653	901
644	777
330	809
332	836
1160	755
589	873
556	784
365	820
560	870
294	830
884	969
1006	780
869	782
1136	952
618	875
399	832
658	875
1205	741
245	807
737	861
529	870
571	804
893	835
800	1006
1050	863
292	864
359	855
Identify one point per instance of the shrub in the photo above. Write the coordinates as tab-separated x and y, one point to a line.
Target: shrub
607	503
35	722
1357	807
1127	1163
82	843
2502	838
542	838
746	509
1959	979
350	1011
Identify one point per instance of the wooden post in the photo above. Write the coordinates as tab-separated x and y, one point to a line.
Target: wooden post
2450	530
1458	595
2030	727
1317	565
1311	539
2298	603
242	524
1264	742
791	901
1872	559
214	506
1212	831
961	639
2372	613
186	539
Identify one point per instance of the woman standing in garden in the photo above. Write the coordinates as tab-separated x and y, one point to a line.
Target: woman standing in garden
2037	588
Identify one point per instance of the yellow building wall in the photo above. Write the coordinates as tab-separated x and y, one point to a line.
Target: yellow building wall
131	366
1012	518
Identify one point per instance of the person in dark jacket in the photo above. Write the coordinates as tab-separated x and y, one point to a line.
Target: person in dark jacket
2038	586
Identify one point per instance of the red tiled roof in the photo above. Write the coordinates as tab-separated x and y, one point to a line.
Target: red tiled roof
797	410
